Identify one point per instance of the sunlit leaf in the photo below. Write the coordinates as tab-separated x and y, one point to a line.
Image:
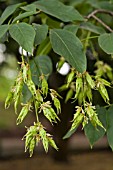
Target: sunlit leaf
24	34
69	46
59	10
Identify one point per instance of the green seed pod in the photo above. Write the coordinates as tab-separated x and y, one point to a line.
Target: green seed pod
23	113
90	80
9	99
50	114
38	96
81	98
96	122
24	72
63	87
32	146
70	77
44	87
89	94
78	117
79	86
60	63
104	93
85	121
52	143
44	139
57	105
104	82
69	95
31	87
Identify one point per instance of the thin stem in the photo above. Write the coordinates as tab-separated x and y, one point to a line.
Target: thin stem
90	38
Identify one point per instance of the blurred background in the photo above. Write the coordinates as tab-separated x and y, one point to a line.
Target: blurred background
74	153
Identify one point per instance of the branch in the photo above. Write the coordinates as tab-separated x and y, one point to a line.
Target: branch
102	23
92	14
99	11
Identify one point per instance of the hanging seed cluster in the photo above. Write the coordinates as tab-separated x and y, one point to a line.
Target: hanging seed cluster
37	102
80	87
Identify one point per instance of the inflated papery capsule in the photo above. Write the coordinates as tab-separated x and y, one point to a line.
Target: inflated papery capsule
51	142
78	118
103	91
57	105
90	80
70	77
50	114
32	146
23	113
104	82
31	87
39	96
9	99
89	94
63	87
92	114
60	63
44	139
44	87
96	122
79	86
69	95
25	68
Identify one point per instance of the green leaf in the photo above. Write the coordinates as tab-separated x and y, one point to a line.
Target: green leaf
24	15
106	42
91	27
72	28
69	133
110	126
30	7
69	46
59	10
44	48
40	65
41	33
9	11
3	30
24	34
91	132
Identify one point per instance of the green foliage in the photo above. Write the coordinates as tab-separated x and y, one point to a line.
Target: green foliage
52	29
103	42
21	33
59	10
66	44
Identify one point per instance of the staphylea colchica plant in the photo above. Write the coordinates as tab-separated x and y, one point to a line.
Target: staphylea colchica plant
52	28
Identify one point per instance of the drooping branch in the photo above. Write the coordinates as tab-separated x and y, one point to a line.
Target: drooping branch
93	15
100	11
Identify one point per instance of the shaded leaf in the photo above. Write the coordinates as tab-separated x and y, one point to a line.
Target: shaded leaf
69	46
59	10
9	11
91	132
40	65
41	33
110	126
24	34
91	27
24	15
44	48
69	133
72	28
30	7
3	30
106	42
